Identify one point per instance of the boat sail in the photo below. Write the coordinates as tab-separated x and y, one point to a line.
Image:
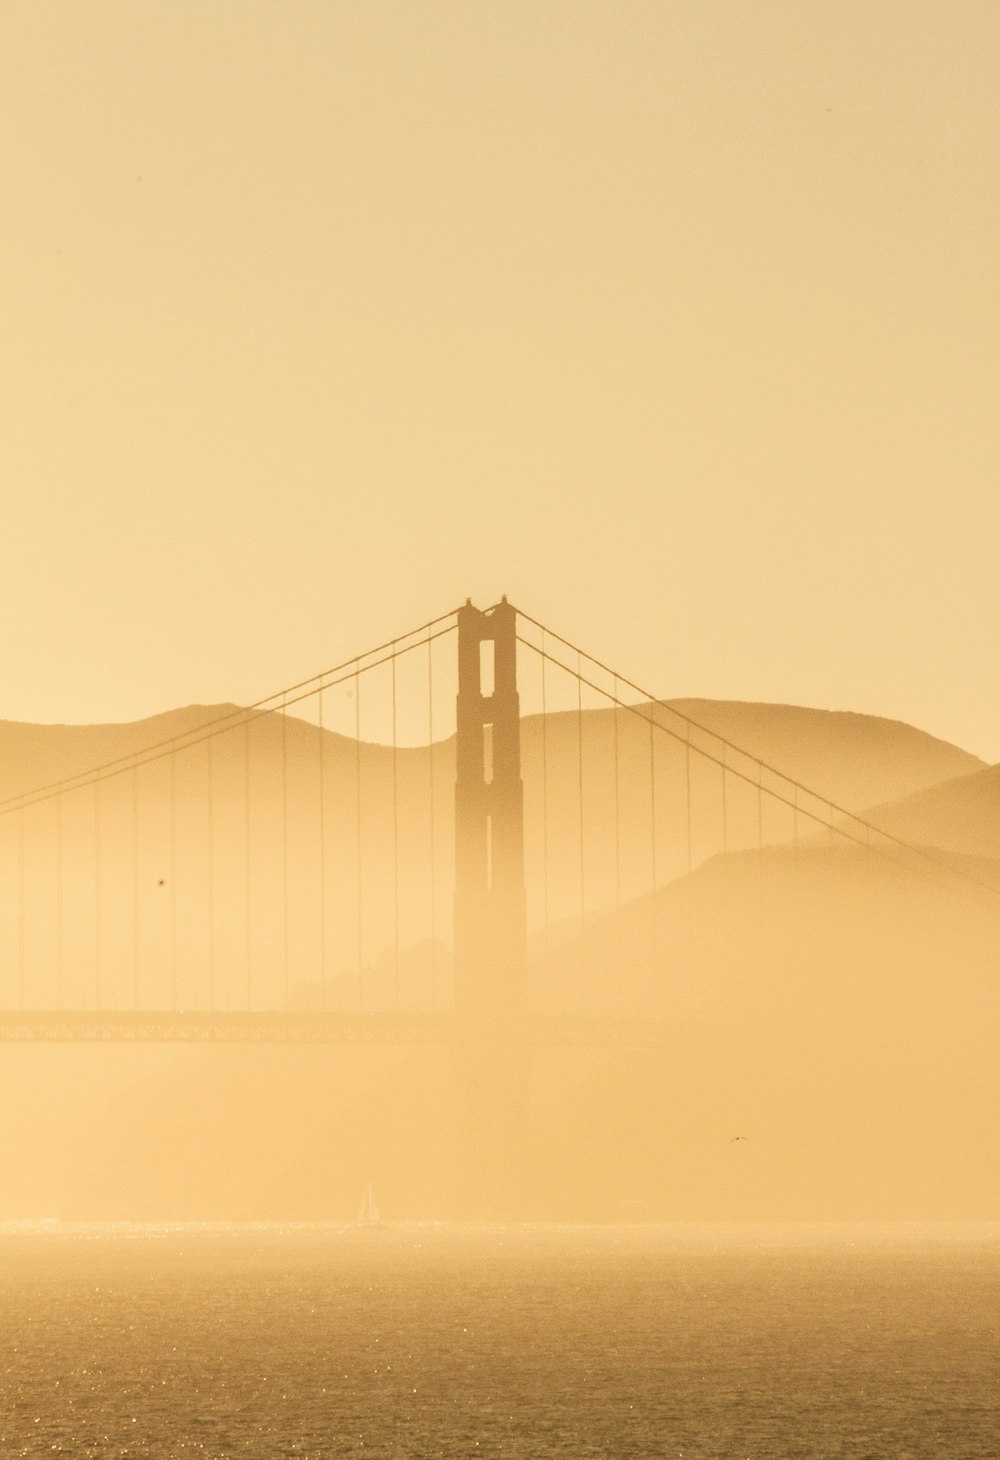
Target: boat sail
368	1211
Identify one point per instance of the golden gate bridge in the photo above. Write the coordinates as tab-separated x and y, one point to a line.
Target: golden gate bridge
262	876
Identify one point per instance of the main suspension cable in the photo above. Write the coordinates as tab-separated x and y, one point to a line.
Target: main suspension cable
293	694
723	740
884	851
180	743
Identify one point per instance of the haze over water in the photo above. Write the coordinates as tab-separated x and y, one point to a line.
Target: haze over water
635	1342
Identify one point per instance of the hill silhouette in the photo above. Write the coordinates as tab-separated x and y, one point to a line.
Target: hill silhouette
961	815
257	820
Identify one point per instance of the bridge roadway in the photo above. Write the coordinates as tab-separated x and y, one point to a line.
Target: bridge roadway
46	1026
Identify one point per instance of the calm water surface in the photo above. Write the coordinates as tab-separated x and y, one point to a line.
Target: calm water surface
433	1341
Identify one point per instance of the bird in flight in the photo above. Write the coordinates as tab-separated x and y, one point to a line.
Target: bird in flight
737	1138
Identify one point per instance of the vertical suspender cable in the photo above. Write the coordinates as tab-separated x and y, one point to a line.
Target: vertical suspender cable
210	754
690	859
545	811
97	894
173	876
618	849
284	853
727	905
760	850
247	869
687	800
618	819
725	817
579	759
357	822
20	908
321	740
796	920
395	842
652	800
135	884
59	902
430	777
653	902
725	845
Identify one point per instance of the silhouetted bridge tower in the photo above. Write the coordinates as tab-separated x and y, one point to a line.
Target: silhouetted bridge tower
490	926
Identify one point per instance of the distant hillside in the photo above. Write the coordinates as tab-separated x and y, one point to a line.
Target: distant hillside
852	760
258	822
819	929
837	753
962	815
857	760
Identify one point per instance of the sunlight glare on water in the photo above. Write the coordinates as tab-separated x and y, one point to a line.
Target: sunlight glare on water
319	1341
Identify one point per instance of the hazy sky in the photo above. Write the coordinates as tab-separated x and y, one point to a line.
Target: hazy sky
676	321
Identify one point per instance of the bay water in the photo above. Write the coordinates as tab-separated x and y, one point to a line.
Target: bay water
445	1341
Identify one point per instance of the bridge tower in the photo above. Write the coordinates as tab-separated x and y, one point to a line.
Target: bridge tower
489	819
490	937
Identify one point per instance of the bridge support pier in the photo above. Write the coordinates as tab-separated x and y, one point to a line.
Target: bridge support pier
491	1063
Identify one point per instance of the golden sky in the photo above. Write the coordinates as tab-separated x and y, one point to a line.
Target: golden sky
676	321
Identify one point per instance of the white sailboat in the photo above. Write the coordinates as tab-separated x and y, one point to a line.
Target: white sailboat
368	1211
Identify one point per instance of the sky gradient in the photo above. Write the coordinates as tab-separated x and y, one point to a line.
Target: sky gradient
676	322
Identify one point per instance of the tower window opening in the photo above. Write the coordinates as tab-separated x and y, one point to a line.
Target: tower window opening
487	753
489	852
487	680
